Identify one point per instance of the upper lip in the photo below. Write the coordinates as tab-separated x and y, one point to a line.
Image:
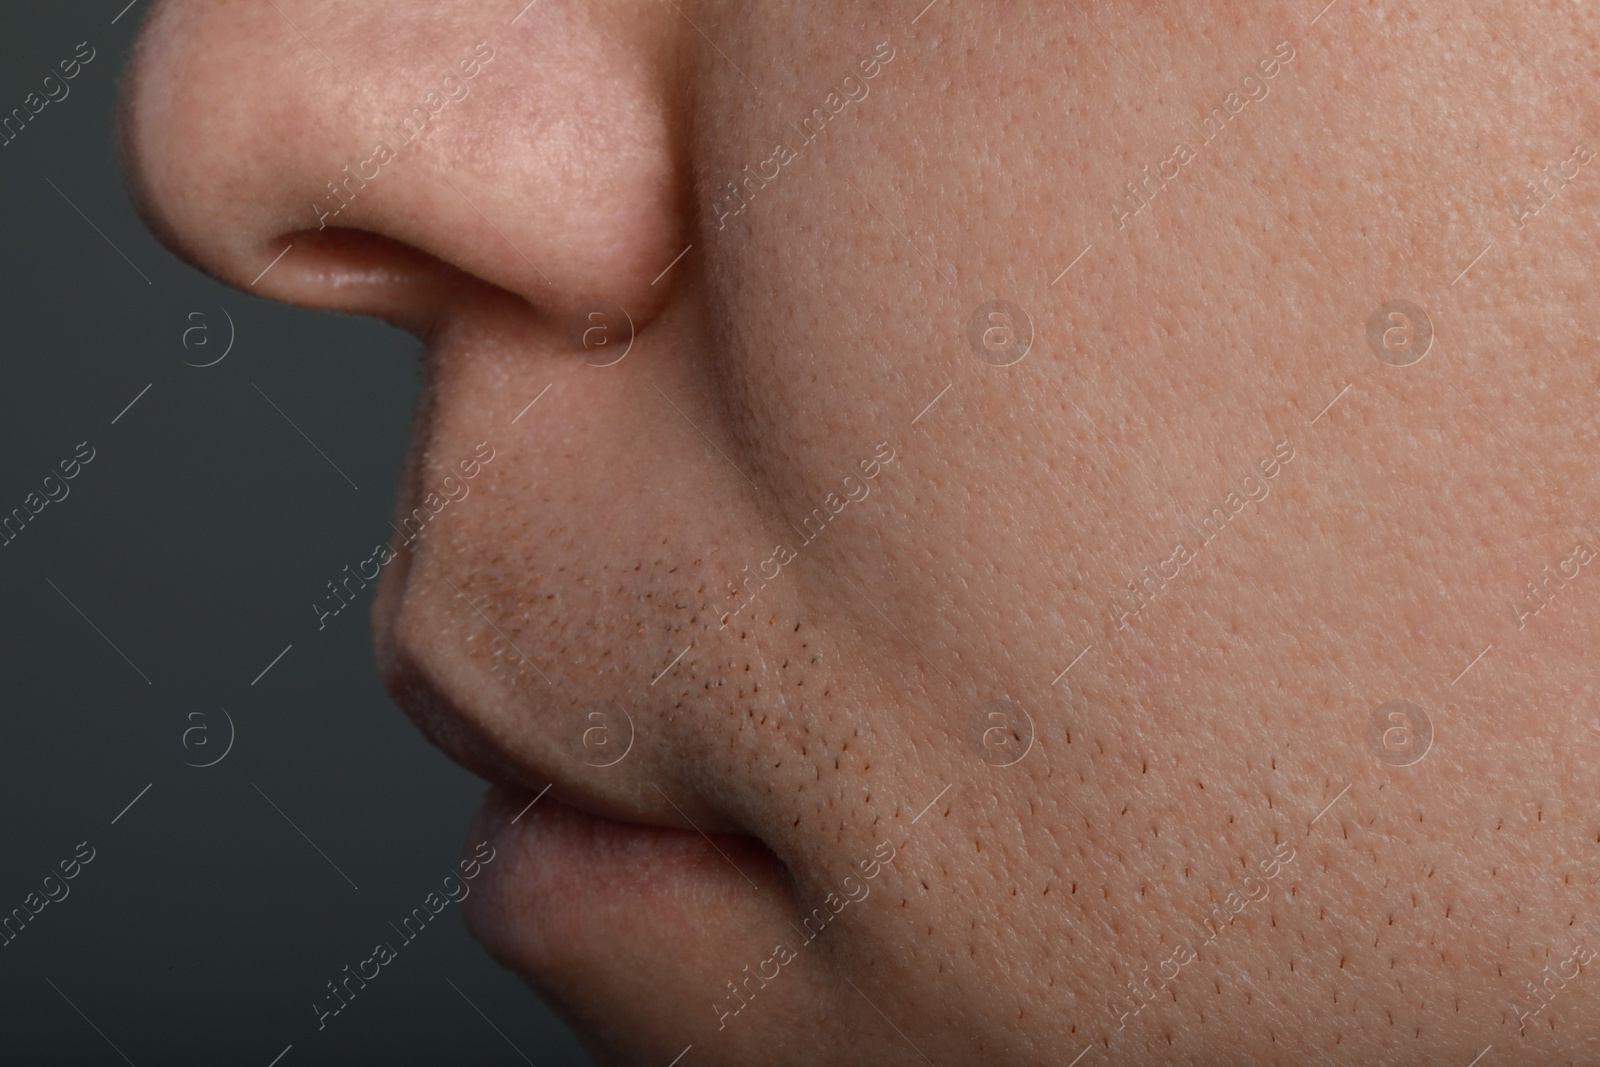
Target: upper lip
465	739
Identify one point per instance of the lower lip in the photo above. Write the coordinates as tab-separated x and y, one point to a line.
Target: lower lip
564	886
551	843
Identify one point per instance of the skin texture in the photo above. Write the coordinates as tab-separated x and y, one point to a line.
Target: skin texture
1414	912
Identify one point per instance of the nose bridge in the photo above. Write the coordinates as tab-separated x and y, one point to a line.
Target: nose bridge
529	149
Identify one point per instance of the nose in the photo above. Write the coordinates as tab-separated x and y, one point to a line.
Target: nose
376	158
484	173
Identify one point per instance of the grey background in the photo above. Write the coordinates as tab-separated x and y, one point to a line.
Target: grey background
196	541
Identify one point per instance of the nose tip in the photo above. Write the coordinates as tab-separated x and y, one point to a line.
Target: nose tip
344	156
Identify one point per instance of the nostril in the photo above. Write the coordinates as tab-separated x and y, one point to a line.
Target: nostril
360	271
445	168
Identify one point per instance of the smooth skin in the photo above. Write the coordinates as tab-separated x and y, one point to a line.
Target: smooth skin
1205	747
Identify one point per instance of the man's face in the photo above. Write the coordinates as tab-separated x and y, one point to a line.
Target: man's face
985	533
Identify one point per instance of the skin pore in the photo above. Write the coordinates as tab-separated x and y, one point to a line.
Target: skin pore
1119	799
